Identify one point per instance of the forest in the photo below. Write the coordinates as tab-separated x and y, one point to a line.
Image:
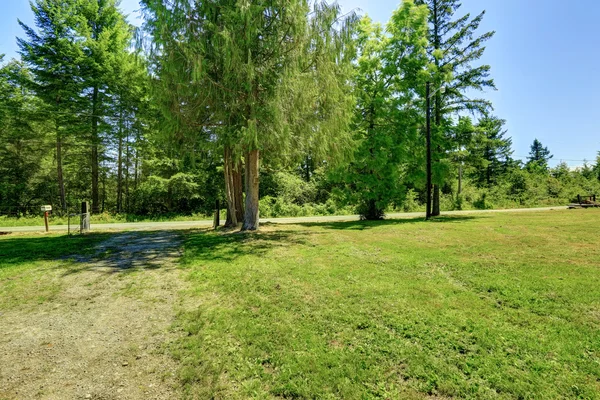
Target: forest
274	108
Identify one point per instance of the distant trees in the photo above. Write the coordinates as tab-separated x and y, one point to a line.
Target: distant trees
328	112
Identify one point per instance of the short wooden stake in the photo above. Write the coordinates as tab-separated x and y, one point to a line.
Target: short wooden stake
46	221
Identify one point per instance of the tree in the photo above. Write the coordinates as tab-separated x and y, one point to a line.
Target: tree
53	57
75	57
23	144
538	157
262	77
106	38
453	48
387	74
489	151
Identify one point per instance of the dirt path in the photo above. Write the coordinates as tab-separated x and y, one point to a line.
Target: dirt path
104	335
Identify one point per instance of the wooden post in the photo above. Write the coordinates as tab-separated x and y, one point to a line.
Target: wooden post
46	221
217	219
84	225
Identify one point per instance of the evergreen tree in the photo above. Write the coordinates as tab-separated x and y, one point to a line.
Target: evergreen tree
490	151
453	48
388	70
538	156
106	38
266	77
54	57
23	146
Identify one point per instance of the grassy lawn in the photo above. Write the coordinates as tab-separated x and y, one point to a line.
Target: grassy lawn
30	265
494	306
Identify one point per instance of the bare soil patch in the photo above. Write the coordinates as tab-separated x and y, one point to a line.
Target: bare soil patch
104	335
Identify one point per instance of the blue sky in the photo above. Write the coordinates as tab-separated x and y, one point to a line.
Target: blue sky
544	59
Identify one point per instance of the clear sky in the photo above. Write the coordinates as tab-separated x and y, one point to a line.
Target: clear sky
544	58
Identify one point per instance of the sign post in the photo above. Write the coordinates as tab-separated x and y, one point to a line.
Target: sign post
45	210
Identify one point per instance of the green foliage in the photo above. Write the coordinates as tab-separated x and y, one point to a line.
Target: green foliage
538	157
387	73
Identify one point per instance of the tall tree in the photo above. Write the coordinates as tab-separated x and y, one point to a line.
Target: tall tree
387	74
106	39
24	147
53	57
453	48
539	156
266	77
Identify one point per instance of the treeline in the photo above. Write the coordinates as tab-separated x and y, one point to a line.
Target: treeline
323	112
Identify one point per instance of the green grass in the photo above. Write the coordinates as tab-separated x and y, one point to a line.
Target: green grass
501	307
104	218
29	265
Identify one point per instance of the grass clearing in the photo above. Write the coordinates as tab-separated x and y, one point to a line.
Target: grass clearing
494	306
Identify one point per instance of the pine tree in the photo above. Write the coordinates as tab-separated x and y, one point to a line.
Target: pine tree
489	151
54	57
24	147
453	48
261	77
539	156
106	38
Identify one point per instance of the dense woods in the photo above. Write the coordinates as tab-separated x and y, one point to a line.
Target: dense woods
287	107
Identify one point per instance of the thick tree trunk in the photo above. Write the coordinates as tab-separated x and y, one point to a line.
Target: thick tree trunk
232	217
238	190
252	178
59	172
436	201
95	161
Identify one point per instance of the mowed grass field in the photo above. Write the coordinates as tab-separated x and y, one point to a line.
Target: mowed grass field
500	306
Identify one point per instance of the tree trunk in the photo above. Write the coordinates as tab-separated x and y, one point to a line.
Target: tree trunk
436	201
438	109
252	178
460	173
238	189
59	171
95	164
120	166
232	219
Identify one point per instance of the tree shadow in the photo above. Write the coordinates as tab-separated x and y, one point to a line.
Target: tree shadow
132	251
19	250
364	225
229	246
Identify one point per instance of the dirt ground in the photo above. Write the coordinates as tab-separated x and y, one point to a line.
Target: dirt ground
104	335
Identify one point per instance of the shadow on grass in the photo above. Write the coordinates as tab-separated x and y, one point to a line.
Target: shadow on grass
362	225
228	246
20	250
